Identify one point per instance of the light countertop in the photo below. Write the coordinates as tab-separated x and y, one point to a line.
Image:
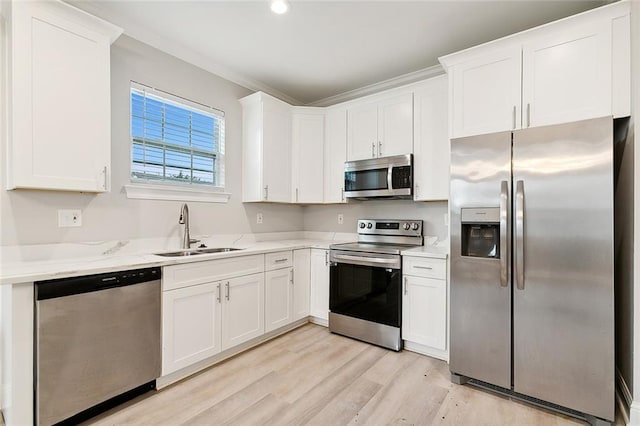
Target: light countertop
24	264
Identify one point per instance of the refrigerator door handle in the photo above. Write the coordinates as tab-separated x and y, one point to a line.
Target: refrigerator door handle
519	252
504	241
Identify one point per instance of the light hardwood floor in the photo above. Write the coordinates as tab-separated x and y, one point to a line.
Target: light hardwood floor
310	376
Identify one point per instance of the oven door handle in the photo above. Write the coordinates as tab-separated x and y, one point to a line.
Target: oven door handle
367	261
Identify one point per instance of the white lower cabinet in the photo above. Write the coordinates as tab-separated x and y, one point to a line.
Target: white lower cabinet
278	298
424	306
319	284
206	310
301	283
190	326
242	309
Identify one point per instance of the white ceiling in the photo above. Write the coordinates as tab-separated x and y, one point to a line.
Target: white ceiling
321	49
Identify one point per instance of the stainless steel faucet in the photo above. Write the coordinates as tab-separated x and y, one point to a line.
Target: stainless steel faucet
184	220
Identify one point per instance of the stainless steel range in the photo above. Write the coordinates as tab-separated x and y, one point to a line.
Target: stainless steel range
365	288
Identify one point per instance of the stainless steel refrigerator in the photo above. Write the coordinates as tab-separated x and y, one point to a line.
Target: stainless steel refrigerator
532	263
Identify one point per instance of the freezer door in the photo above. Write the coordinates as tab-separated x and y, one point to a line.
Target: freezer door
563	265
480	273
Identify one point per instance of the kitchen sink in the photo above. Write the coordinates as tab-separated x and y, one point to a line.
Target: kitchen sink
194	252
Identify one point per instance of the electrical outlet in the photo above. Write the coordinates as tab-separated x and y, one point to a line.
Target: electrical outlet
446	219
69	218
340	219
259	218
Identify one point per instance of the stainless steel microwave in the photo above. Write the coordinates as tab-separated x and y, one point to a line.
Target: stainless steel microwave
386	177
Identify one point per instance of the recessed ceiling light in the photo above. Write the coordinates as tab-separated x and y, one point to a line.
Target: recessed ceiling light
279	6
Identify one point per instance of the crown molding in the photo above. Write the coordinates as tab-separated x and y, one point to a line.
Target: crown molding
371	89
164	44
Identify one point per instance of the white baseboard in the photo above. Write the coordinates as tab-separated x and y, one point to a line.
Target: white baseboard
320	321
426	350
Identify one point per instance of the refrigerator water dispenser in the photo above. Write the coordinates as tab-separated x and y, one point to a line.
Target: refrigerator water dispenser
480	232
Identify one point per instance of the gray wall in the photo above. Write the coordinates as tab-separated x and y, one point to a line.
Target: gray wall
30	217
325	217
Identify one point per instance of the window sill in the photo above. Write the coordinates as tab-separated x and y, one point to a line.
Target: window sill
175	193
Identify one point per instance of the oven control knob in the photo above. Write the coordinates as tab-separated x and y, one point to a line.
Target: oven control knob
406	226
362	225
369	225
415	226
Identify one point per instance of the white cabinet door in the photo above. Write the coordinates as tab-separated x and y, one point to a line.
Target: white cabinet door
242	309
362	139
301	283
486	93
60	105
266	149
308	158
320	284
335	154
190	325
424	311
431	145
277	298
276	151
566	75
395	125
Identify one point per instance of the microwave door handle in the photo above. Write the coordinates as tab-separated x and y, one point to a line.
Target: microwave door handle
390	178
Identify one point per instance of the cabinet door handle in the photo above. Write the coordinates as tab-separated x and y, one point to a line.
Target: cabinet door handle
528	115
417	189
405	285
423	267
226	290
104	184
326	258
266	192
296	194
373	149
342	189
219	293
379	148
514	117
291	277
280	260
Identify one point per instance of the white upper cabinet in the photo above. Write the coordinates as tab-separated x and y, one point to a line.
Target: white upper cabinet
431	141
335	154
573	69
380	129
266	149
59	103
567	74
485	93
308	155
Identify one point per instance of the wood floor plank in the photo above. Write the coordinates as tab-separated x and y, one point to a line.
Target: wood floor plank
311	376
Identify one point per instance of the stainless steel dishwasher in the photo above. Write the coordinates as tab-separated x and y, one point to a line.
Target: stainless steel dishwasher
97	337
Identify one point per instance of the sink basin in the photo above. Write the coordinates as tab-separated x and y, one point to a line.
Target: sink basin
216	250
194	252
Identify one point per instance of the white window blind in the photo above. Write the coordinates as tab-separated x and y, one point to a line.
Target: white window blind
174	140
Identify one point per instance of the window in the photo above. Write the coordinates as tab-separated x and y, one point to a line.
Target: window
175	141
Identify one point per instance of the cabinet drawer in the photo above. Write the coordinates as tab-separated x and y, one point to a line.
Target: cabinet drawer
424	267
281	259
188	274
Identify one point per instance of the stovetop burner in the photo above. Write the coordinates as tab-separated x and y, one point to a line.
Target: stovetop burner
385	236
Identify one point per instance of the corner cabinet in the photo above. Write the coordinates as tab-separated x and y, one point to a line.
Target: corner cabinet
266	149
308	155
335	154
425	306
380	128
431	150
573	69
59	104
